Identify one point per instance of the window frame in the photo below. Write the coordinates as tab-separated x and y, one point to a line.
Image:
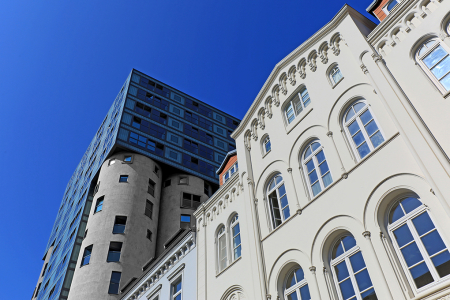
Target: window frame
290	103
122	225
407	219
275	189
128	161
312	157
118	283
173	284
111	251
97	204
123	176
357	118
296	287
331	73
420	57
266	141
148	208
84	256
233	223
233	169
221	234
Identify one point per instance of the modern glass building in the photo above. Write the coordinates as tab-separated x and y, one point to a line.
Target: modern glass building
149	118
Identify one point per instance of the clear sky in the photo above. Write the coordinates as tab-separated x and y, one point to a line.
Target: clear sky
63	62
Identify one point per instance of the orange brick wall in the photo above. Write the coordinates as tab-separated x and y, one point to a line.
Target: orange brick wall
231	161
378	10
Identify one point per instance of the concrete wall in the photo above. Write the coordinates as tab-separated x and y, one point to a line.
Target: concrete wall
120	199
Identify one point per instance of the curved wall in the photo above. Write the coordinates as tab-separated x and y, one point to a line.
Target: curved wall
120	199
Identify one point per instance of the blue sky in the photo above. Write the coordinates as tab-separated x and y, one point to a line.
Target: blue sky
63	62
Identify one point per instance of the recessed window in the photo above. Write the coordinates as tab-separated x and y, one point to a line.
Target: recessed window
267	145
230	172
236	237
119	224
99	204
296	105
114	252
316	168
86	255
167	183
296	286
222	248
183	180
335	75
114	283
176	289
433	57
151	187
149	235
123	178
190	201
278	201
185	221
127	158
112	161
149	209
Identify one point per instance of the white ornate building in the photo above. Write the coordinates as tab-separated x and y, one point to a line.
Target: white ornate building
343	186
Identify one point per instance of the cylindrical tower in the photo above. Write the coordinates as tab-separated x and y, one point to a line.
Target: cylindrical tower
122	227
181	195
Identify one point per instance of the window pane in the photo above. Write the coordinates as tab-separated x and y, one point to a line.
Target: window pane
236	229
369	295
366	117
358	106
357	262
353	127
341	271
299	274
291	280
338	250
347	289
421	275
412	254
410	203
441	68
327	180
286	212
358	138
113	256
316	188
446	82
284	201
371	127
304	293
423	223
363	280
236	241
310	166
435	56
363	150
349	242
177	287
282	191
315	146
313	177
320	157
433	242
237	252
395	214
376	139
442	263
323	168
403	235
293	296
350	114
307	152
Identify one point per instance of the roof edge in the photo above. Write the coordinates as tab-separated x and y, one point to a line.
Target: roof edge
229	154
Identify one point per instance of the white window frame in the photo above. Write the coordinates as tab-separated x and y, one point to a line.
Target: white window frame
420	58
296	287
361	128
227	175
297	110
233	223
272	215
172	285
334	70
221	234
312	157
264	145
407	219
346	257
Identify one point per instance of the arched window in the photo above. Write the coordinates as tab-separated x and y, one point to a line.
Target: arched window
297	104
425	256
335	75
362	129
236	237
350	272
434	59
278	201
296	287
316	168
222	248
266	145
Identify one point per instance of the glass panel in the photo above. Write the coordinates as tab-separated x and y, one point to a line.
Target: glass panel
119	228
371	127
435	56
403	235
363	150
363	280
433	242
349	242
341	271
113	256
442	263
377	139
304	293
278	179
353	128
421	275
442	68
284	201
282	190
391	5
338	250
323	168
237	252
357	262
412	254
337	76
299	274
366	117
286	212
446	82
409	204
272	185
177	287
293	296
423	223
313	176
358	138
236	229
358	106
395	214
350	114
178	297
291	280
327	180
307	152
320	157
315	146
347	289
310	166
369	295
316	188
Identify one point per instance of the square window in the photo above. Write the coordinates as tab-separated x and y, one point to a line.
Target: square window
115	248
119	224
173	155
177	110
123	178
219	130
127	158
185	219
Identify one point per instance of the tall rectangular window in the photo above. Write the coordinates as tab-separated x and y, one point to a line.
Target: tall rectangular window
114	283
176	289
123	178
114	251
151	187
119	224
99	204
149	209
86	255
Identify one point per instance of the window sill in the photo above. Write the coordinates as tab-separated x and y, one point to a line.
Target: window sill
334	85
436	290
446	94
229	266
291	126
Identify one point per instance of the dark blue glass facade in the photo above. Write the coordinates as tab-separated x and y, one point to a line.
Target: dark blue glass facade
150	118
